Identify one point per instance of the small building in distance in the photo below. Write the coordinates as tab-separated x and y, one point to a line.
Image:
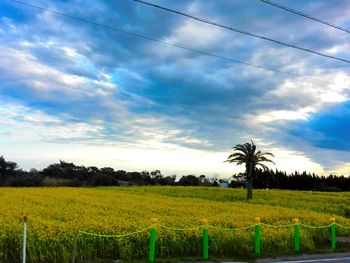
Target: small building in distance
223	184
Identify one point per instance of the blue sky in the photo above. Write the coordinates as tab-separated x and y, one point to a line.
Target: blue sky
83	93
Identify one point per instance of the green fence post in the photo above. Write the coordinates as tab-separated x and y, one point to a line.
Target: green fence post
257	236
296	235
205	238
333	234
152	241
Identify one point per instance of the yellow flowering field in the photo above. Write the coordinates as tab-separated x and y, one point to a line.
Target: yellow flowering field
56	215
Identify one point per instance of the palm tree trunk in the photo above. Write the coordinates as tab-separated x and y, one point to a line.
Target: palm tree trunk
250	189
249	183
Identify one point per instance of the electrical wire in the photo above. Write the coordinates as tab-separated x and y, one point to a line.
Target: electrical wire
286	8
243	32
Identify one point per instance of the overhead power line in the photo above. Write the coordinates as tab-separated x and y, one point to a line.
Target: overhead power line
242	31
305	15
173	45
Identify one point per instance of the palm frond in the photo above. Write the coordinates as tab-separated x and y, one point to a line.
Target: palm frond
263	159
259	153
235	160
236	154
265	168
241	147
246	154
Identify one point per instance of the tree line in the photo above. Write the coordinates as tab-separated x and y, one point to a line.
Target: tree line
275	179
68	174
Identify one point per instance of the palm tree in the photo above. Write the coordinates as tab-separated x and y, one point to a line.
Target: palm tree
245	154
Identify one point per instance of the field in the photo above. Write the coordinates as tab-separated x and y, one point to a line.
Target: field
56	214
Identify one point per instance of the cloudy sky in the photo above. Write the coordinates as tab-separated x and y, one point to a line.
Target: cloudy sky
88	94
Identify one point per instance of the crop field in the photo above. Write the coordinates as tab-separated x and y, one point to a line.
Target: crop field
56	215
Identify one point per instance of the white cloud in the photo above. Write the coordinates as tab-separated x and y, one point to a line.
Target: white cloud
315	95
147	147
27	69
340	169
196	34
292	160
300	114
24	122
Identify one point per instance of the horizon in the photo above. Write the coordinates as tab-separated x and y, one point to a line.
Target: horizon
86	94
178	176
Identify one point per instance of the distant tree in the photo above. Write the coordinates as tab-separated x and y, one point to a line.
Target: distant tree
107	171
204	181
167	180
7	166
7	169
70	171
246	154
147	178
189	180
33	171
92	170
120	174
156	177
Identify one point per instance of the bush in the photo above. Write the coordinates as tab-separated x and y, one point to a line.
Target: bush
23	181
103	180
54	182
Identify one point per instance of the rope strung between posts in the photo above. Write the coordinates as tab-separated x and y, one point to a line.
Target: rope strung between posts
315	227
115	236
346	227
180	229
209	226
231	229
277	226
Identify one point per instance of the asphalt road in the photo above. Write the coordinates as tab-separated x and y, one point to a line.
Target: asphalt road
323	258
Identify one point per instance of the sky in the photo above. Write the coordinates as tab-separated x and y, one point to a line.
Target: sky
94	96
